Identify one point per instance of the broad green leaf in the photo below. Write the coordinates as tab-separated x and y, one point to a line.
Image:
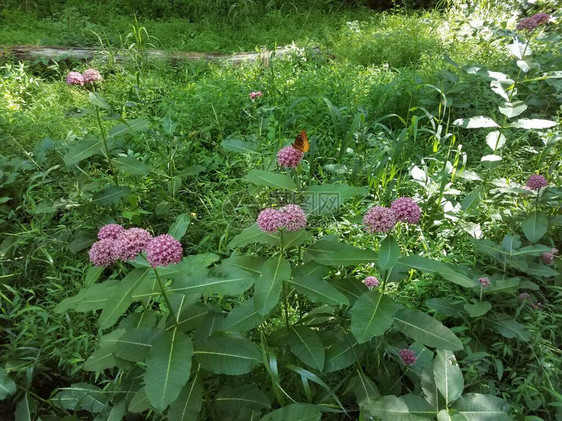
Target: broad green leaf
449	415
535	226
80	243
479	407
478	309
329	251
513	110
424	264
232	400
251	264
533	123
294	412
538	269
352	288
343	353
114	413
511	243
167	368
327	198
307	346
238	146
534	250
519	49
81	150
89	299
491	161
139	403
419	406
188	404
243	317
226	355
389	408
445	306
448	376
81	397
192	316
389	253
25	409
130	165
426	330
269	179
268	287
222	279
93	275
119	302
129	126
99	360
307	279
372	315
495	140
508	328
98	101
475	122
364	388
110	195
179	227
251	235
429	387
133	345
471	200
7	385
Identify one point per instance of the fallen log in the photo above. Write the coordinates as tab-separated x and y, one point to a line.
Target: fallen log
25	52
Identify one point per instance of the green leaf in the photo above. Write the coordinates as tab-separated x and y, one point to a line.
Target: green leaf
81	397
222	279
364	388
419	406
538	269
478	309
130	165
513	110
307	279
81	242
243	317
294	412
232	400
188	404
226	355
251	235
25	409
89	299
136	125
139	403
133	345
167	368
508	327
114	413
390	408
448	376
426	330
471	200
238	146
81	150
389	253
533	123
268	286
251	264
479	407
323	199
179	227
98	101
491	161
329	251
119	302
475	122
343	353
372	315
110	195
495	140
424	264
535	226
7	385
445	306
99	360
307	346
269	179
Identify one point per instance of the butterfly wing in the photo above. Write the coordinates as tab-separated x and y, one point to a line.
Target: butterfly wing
301	142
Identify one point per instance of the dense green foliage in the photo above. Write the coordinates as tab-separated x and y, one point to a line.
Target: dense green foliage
456	110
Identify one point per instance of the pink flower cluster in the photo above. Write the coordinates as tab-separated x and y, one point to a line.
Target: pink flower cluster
381	219
548	257
289	217
371	282
536	182
117	243
89	77
533	22
255	95
408	356
484	281
289	157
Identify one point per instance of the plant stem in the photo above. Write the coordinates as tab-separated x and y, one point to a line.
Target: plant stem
286	302
107	155
165	296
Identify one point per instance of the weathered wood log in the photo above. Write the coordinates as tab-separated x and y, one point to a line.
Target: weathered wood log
24	52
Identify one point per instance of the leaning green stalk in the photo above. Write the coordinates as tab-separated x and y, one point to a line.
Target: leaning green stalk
165	296
107	155
284	283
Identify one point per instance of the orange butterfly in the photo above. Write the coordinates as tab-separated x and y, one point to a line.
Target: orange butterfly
301	142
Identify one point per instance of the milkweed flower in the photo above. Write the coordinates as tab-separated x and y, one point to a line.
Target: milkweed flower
91	76
295	218
255	95
270	220
548	257
531	23
131	242
379	219
110	231
163	250
371	282
74	78
289	157
406	210
536	182
408	356
103	253
536	306
484	281
524	296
